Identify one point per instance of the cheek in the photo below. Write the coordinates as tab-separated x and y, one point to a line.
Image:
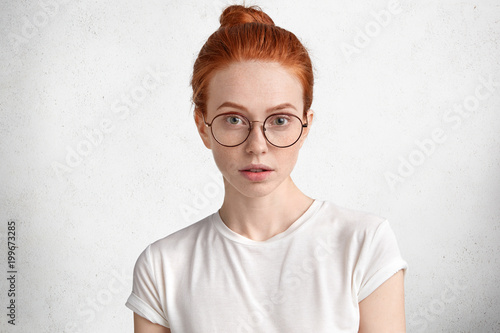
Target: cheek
287	159
223	158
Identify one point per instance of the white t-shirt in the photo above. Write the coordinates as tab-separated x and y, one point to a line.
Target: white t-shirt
309	278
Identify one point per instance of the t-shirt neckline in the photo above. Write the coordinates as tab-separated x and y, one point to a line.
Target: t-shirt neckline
223	229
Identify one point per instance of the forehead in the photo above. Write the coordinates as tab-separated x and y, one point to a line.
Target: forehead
256	85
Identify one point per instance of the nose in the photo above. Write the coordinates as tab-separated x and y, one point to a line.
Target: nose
256	142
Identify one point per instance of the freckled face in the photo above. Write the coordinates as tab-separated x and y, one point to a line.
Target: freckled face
253	89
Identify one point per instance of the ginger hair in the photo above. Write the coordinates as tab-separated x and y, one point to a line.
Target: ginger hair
247	33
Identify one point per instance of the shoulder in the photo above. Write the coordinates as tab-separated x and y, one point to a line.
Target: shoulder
183	239
354	230
368	245
349	220
175	247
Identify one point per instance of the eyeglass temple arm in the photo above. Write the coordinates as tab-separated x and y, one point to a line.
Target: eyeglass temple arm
206	124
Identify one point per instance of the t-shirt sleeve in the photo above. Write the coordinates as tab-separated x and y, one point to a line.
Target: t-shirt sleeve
145	299
379	260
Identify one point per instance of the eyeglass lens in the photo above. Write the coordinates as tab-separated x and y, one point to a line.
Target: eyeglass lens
281	130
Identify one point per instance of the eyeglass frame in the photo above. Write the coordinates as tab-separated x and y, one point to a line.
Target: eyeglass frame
251	127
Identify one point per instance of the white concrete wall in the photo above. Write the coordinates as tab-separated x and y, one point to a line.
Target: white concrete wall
406	127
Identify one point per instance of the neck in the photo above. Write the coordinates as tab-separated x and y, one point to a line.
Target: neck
260	218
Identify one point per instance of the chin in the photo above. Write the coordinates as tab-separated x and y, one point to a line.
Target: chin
256	193
253	190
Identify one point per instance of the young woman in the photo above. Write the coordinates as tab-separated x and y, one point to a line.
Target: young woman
271	259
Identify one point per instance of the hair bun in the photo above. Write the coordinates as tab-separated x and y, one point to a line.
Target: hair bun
237	14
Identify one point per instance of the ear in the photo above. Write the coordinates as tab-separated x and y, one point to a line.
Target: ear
203	129
305	132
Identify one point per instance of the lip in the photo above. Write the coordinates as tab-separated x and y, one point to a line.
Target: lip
256	176
256	166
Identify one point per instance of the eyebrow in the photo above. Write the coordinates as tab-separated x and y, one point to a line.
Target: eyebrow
241	107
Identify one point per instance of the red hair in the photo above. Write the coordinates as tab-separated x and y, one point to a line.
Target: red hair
247	33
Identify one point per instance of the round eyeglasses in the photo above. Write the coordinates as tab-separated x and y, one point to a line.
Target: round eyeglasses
281	130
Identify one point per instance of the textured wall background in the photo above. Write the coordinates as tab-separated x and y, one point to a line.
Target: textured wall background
100	156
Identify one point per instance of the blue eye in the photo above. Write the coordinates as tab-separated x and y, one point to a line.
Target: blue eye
233	120
280	121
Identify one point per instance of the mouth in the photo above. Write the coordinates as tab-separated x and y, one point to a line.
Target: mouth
256	172
256	168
